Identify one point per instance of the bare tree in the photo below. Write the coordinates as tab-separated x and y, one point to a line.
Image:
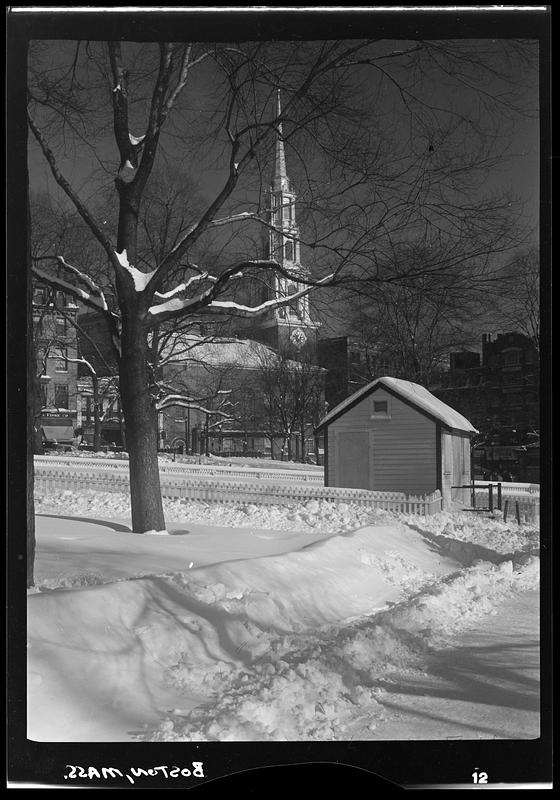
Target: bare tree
212	105
293	396
409	327
517	296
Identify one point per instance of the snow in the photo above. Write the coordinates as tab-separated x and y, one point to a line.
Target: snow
140	279
311	622
413	392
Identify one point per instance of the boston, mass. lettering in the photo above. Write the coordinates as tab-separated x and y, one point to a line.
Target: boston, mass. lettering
106	773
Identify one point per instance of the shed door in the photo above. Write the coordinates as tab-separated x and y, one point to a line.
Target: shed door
447	466
353	459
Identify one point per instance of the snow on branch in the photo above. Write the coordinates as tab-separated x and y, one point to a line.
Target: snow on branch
140	279
183	402
175	306
182	287
171	399
243	215
249	311
86	297
83	361
86	279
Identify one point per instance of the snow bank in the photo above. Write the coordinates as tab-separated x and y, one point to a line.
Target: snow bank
288	646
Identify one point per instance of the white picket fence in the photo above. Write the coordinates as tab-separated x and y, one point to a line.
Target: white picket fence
200	487
179	469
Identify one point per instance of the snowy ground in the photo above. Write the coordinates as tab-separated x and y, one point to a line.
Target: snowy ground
217	461
316	622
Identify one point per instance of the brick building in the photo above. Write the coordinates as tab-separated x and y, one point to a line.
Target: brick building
498	387
499	391
56	346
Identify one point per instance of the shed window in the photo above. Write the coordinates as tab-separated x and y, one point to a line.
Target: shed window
380	409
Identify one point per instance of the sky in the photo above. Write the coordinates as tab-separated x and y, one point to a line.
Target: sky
522	172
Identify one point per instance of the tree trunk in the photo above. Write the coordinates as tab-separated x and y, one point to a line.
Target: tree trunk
288	443
141	427
31	397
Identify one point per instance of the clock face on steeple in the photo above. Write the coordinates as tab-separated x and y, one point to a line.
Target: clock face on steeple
298	338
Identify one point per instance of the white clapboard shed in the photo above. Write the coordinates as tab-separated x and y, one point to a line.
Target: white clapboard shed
394	435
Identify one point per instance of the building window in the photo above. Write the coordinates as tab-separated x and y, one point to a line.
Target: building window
61	395
381	409
61	364
43	395
289	251
295	306
60	326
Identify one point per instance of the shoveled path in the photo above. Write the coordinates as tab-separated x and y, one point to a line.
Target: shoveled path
486	686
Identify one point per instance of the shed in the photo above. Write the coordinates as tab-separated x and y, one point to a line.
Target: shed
394	435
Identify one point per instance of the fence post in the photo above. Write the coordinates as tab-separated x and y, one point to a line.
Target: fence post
490	497
499	496
506	510
517	514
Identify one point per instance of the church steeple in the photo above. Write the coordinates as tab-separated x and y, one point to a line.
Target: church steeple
284	240
284	247
291	325
279	177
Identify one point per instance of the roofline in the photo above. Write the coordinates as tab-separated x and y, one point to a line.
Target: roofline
366	392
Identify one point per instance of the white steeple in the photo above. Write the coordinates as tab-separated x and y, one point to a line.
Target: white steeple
284	245
284	241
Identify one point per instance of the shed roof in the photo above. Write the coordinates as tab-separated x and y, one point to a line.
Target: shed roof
412	393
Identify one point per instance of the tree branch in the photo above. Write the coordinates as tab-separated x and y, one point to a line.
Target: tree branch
69	191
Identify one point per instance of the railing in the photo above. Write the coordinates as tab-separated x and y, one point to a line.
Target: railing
521	500
511	488
50	478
